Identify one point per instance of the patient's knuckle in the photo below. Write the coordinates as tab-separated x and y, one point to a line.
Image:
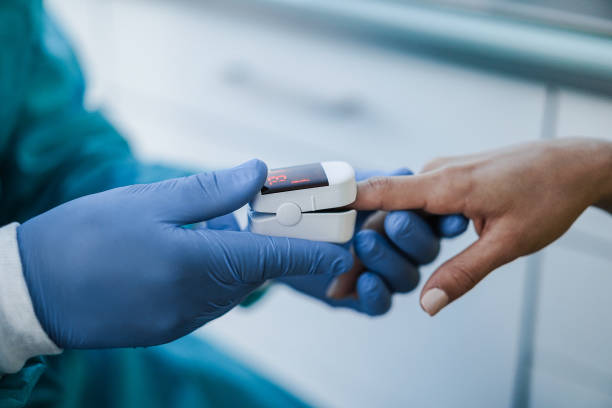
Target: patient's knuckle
452	173
462	277
453	184
435	163
379	186
378	183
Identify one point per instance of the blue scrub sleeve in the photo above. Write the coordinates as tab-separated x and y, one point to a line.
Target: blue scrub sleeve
16	389
59	150
52	148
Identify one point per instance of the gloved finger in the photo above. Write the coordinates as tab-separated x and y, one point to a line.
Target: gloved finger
314	286
449	226
225	222
402	171
203	196
413	235
345	284
252	258
380	257
373	295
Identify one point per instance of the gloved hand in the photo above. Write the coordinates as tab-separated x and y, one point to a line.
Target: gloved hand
390	248
117	269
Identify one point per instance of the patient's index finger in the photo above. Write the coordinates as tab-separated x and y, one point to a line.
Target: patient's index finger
429	192
391	193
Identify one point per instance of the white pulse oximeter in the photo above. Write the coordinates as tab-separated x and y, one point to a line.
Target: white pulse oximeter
299	202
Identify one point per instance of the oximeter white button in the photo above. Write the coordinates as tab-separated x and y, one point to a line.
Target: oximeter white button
288	214
297	202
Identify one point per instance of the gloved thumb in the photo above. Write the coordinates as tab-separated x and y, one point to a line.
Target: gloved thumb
462	272
256	258
203	196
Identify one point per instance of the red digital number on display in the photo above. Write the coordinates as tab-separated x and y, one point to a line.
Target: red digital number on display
300	181
277	179
295	178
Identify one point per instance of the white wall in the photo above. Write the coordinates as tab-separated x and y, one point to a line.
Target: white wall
573	352
194	85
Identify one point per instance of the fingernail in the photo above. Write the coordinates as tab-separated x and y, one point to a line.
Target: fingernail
332	289
434	300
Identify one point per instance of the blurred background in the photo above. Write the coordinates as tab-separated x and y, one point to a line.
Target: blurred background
381	84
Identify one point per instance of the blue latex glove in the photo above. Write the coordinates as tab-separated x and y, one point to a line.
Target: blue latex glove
388	263
116	269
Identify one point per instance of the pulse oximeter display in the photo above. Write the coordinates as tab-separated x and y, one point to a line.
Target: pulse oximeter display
295	178
307	202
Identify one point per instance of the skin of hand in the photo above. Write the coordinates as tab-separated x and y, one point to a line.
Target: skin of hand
119	269
520	199
388	250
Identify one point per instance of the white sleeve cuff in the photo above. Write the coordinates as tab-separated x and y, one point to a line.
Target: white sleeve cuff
21	335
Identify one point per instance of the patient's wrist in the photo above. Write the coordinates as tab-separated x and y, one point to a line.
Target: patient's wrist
605	175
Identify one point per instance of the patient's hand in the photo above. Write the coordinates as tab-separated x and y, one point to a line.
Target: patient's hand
389	248
520	199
